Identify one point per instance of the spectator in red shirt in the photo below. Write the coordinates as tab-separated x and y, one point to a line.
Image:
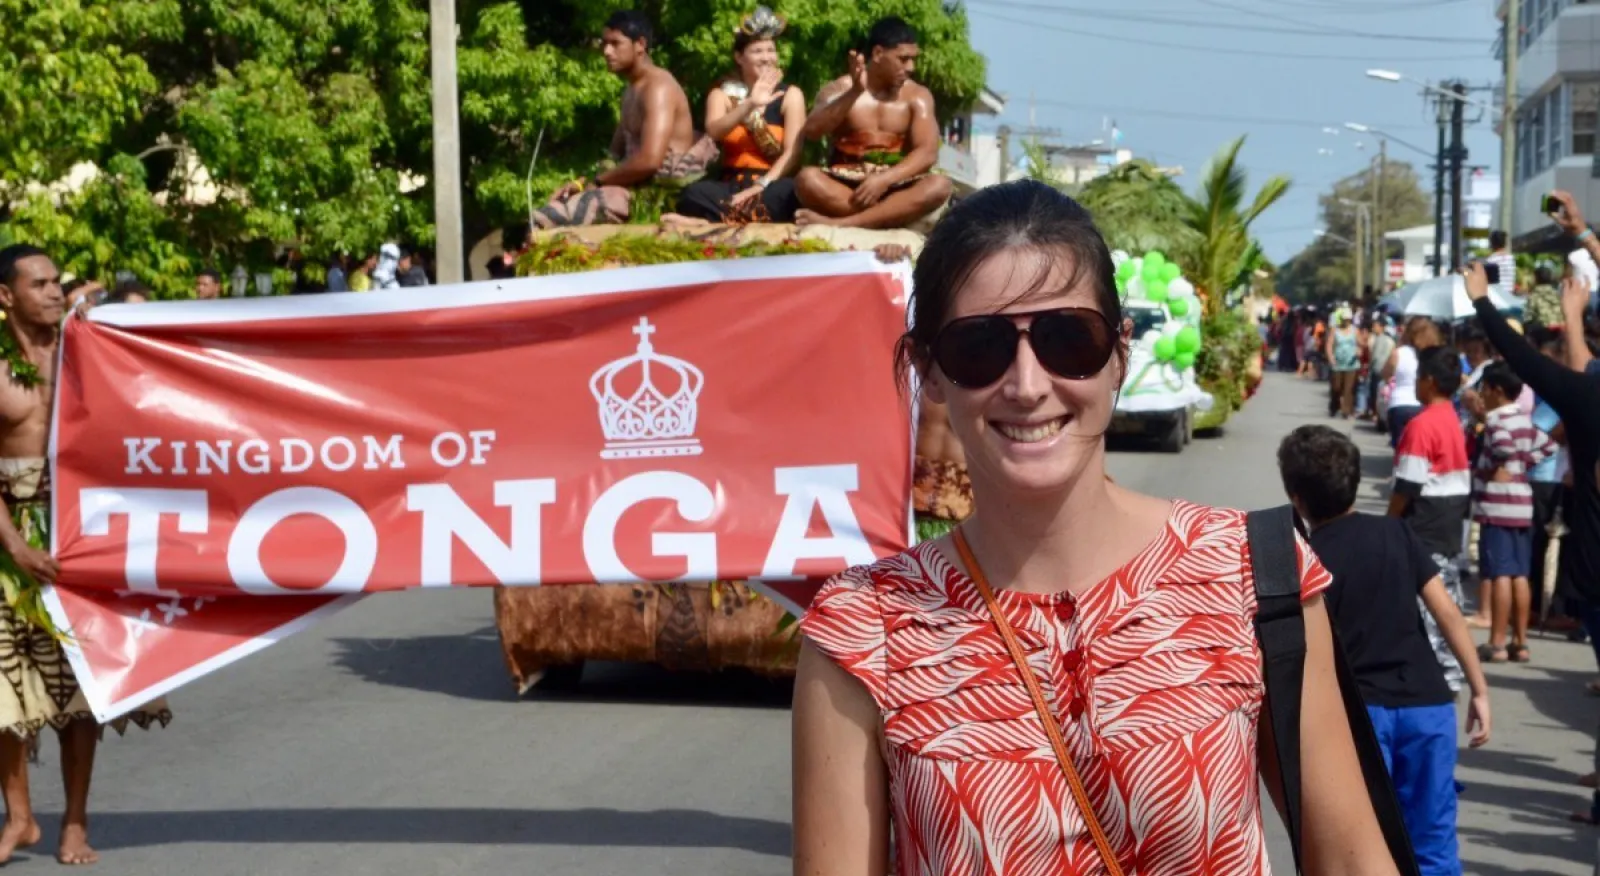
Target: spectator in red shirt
1433	483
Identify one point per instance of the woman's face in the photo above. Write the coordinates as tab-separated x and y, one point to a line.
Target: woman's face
757	58
1030	432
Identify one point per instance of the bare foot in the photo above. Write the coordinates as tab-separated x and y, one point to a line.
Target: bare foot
75	849
680	221
17	835
804	217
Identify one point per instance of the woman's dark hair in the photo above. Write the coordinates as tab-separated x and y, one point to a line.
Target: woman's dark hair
1322	469
1543	275
1021	215
1500	376
634	25
742	40
125	289
1442	365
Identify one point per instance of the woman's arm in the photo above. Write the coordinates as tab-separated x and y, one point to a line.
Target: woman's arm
1574	301
722	115
841	785
1340	832
794	118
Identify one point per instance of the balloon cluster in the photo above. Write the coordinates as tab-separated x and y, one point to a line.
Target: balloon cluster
1155	279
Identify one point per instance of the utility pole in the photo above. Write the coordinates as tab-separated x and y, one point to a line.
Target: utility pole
448	236
1508	127
1359	249
1438	194
1458	160
1380	251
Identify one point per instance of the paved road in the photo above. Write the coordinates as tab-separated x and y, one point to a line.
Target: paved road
385	741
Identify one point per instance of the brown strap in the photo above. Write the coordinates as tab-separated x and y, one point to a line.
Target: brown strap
1052	728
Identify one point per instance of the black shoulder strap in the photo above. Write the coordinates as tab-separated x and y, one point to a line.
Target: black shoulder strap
1280	628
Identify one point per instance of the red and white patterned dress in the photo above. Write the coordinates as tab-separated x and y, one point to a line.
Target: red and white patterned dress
1155	672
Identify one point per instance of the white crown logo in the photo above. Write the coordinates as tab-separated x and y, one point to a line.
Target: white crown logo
650	420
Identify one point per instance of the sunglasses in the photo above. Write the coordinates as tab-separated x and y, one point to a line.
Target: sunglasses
1071	342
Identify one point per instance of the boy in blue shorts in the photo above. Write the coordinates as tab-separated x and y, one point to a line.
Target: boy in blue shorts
1502	504
1380	567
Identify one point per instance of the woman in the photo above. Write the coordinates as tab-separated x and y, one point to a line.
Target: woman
909	712
1420	333
756	118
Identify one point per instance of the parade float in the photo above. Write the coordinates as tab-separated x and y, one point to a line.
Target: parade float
1160	396
549	633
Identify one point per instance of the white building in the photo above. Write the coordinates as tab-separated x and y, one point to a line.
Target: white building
1558	82
970	159
1416	253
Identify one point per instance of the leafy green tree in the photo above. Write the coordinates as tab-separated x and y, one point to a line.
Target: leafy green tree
1138	209
1325	269
71	77
1221	214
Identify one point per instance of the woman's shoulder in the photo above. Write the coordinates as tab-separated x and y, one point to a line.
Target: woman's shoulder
914	569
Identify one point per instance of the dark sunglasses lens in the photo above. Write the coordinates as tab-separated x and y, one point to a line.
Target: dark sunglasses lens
1071	344
976	351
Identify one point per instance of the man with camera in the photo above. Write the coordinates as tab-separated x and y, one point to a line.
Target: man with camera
1572	389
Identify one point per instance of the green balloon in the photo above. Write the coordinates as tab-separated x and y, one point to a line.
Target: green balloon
1171	272
1155	257
1126	270
1183	361
1165	349
1188	339
1157	290
1178	306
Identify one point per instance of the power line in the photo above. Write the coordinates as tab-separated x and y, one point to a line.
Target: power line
1214	50
1271	121
1135	17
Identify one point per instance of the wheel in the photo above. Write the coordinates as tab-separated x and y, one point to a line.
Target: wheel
561	678
1172	440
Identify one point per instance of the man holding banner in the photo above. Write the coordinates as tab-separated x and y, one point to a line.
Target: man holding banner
39	688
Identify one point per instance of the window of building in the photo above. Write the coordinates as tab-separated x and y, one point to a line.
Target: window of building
1584	98
1555	115
1536	134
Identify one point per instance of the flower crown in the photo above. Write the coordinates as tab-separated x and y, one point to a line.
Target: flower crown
762	24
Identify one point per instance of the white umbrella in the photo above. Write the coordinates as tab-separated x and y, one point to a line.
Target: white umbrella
1445	298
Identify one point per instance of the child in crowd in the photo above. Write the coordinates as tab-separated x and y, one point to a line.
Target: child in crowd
1433	483
1380	568
1502	504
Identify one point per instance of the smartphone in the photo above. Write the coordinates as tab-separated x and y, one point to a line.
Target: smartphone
1551	205
1493	271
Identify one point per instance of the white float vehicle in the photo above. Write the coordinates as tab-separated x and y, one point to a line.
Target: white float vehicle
1158	398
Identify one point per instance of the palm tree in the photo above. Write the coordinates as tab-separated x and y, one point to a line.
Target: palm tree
1227	255
1138	209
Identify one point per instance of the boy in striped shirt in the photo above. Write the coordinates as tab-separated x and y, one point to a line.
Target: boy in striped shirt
1502	504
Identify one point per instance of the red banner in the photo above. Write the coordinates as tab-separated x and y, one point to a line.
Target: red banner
715	420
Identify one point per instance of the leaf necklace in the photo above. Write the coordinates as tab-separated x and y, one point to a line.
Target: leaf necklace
21	371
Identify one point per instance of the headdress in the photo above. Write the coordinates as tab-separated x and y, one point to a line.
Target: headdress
762	24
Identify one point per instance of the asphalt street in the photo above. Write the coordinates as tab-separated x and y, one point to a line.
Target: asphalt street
387	741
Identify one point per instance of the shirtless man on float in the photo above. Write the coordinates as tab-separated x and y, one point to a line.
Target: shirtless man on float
655	138
872	112
37	688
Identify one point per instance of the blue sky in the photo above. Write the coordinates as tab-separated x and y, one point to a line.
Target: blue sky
1182	77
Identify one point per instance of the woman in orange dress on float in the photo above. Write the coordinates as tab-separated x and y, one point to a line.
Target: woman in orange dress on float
1134	616
755	117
